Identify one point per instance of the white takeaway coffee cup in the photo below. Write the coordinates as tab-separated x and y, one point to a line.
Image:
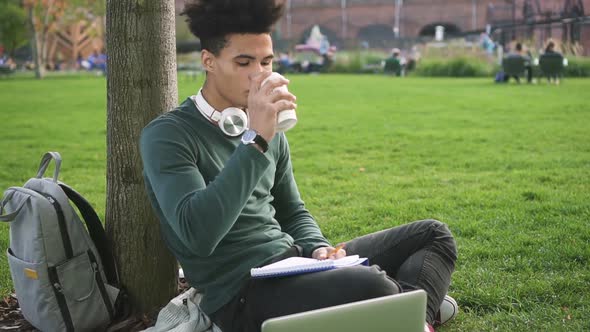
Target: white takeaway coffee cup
285	119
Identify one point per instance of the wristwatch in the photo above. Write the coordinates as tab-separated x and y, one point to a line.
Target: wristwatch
251	136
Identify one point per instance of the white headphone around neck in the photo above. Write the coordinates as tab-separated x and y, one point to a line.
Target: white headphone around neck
232	121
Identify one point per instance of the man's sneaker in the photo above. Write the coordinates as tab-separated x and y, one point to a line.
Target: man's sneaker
448	310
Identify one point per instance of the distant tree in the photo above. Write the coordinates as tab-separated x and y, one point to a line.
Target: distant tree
42	17
13	33
47	16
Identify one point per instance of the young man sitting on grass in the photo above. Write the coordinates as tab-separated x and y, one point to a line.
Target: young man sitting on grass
227	201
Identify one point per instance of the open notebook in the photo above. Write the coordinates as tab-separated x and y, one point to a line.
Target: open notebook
299	265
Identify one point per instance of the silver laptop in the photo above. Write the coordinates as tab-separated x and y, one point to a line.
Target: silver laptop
404	312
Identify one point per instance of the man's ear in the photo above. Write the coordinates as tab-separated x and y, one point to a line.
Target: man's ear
208	60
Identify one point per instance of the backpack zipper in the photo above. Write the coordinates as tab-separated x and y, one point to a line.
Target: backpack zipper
60	297
63	230
100	283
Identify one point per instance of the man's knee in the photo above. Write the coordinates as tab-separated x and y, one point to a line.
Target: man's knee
371	282
444	238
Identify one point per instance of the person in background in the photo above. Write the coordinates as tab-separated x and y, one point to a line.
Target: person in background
98	61
6	61
550	48
487	43
551	52
79	59
518	53
285	63
393	65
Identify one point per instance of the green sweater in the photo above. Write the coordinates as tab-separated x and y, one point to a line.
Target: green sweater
224	207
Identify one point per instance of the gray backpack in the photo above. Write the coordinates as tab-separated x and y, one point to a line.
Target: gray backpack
64	273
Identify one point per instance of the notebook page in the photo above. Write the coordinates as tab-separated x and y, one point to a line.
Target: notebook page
348	261
293	264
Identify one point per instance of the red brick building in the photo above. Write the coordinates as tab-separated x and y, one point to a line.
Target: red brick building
346	22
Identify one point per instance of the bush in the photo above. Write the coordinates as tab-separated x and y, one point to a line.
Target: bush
346	62
577	67
455	67
356	61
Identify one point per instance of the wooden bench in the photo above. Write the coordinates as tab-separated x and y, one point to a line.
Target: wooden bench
6	70
190	72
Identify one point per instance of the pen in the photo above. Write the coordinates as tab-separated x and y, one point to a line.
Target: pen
335	250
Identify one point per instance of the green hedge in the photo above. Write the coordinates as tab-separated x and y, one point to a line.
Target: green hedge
359	61
347	63
578	67
455	67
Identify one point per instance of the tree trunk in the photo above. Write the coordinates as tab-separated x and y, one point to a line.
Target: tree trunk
141	84
37	54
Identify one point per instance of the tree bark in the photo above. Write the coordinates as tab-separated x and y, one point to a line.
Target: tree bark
141	84
37	57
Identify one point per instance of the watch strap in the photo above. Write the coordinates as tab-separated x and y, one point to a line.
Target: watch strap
262	143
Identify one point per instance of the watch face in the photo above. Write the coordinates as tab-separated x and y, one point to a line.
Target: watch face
248	136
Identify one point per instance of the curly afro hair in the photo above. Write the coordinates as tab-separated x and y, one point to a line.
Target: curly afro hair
212	20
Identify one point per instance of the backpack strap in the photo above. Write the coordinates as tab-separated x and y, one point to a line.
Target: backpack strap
97	234
10	216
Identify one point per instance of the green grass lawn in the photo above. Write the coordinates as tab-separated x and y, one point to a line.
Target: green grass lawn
507	167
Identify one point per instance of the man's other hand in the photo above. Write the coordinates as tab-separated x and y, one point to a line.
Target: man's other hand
326	253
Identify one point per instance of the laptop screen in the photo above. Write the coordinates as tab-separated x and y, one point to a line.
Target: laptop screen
404	312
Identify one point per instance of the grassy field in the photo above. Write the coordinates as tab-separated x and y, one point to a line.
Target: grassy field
507	167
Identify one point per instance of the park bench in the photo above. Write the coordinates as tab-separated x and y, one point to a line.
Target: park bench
6	70
514	66
551	65
189	71
375	67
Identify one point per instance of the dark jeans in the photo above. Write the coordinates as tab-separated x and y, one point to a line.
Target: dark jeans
419	255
